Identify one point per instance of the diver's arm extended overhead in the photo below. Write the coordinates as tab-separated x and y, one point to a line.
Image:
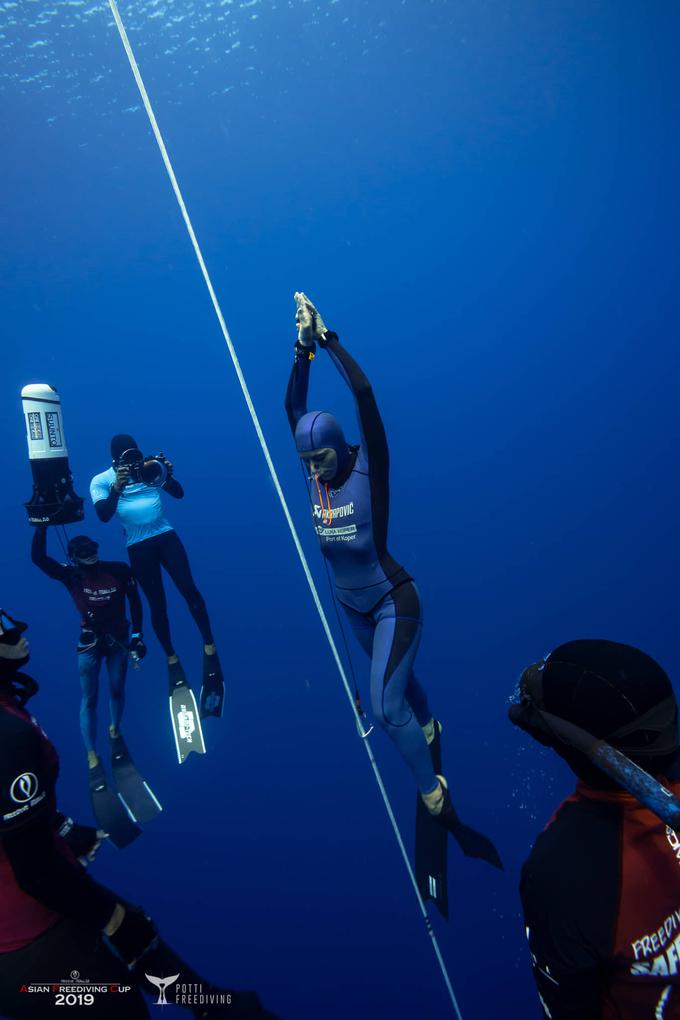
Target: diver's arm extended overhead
373	436
43	562
298	386
309	324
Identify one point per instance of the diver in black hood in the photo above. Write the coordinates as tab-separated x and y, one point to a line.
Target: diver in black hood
601	887
99	589
55	920
349	493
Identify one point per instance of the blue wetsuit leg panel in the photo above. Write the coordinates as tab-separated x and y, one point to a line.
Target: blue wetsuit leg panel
407	600
363	627
392	638
116	664
89	663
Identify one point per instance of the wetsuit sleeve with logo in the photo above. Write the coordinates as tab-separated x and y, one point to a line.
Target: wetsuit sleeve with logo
297	389
43	562
373	438
41	863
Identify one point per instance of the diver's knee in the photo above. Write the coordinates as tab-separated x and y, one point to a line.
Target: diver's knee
395	710
390	719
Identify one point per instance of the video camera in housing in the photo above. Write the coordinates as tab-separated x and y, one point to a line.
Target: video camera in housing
145	470
53	500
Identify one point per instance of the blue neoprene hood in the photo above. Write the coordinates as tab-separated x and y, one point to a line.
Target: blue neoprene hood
318	429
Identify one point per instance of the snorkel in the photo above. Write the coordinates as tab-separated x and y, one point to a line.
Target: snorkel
657	727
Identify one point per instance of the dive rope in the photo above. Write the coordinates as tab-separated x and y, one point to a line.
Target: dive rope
279	491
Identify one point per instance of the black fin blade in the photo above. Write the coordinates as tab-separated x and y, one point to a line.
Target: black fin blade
139	798
110	812
432	845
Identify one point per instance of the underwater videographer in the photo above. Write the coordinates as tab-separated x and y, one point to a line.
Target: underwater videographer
131	490
56	921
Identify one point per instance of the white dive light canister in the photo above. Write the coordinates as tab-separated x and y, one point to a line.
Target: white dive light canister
44	422
53	500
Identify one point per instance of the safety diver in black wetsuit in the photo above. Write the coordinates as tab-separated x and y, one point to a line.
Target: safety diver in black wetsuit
99	590
153	546
55	920
349	493
600	889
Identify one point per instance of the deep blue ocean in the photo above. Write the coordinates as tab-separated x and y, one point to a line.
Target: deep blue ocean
482	200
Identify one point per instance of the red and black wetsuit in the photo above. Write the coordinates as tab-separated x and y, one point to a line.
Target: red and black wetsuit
40	879
601	898
99	591
51	911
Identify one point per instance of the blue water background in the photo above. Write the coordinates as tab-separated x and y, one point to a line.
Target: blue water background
482	199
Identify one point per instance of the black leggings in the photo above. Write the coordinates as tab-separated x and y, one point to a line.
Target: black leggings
69	952
146	560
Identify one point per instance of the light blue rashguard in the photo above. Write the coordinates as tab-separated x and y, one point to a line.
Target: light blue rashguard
139	509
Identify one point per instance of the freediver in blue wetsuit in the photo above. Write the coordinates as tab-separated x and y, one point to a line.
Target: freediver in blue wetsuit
349	490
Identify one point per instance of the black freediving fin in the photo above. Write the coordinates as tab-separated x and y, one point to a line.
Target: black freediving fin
186	722
110	811
211	699
432	844
471	842
138	796
475	844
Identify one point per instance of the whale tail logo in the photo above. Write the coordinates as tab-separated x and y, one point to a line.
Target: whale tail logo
161	984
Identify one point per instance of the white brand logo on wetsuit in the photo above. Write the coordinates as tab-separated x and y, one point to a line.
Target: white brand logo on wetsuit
337	511
662	945
674	842
24	788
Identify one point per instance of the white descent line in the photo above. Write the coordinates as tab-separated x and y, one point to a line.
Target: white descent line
277	485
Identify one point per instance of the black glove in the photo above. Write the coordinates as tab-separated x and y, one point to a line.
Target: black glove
136	935
137	647
82	840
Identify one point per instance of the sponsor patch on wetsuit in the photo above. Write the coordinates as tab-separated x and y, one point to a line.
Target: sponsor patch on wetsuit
344	533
